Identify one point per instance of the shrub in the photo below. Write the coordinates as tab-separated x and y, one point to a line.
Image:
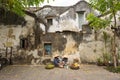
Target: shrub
112	69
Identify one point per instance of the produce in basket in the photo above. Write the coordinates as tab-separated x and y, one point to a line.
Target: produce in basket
49	66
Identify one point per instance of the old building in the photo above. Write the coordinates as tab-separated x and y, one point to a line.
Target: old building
62	20
65	28
67	35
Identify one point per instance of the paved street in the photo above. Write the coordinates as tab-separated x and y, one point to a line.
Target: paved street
29	72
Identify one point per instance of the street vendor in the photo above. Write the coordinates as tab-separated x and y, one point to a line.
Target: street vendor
60	62
56	61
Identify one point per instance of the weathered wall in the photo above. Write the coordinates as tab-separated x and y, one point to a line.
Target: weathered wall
82	6
64	42
13	32
10	36
91	49
9	33
68	20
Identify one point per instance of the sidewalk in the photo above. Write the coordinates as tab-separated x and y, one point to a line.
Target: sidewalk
29	72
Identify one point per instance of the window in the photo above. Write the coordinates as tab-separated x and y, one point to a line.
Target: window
23	43
81	18
50	22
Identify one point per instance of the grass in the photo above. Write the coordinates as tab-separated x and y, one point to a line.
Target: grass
112	69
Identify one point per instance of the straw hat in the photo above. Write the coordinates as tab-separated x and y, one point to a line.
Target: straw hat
65	56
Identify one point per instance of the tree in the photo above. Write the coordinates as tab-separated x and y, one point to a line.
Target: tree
108	9
19	7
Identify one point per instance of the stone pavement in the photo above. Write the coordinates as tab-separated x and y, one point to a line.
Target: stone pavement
29	72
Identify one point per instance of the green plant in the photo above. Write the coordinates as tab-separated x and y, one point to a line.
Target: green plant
100	62
106	37
108	9
106	58
18	6
118	53
112	69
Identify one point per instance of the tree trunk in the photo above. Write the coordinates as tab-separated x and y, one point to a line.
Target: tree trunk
114	51
114	42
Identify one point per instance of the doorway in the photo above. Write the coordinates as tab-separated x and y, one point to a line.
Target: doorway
47	49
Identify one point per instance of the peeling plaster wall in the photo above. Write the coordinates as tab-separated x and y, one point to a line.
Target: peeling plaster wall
91	49
30	21
68	19
10	35
55	26
82	7
4	34
72	14
65	42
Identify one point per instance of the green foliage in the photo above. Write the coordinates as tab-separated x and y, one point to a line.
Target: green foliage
119	53
114	70
106	57
97	23
18	6
100	5
108	10
105	36
103	6
104	60
100	62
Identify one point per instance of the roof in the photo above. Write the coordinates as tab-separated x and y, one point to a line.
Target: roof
56	9
80	2
59	9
